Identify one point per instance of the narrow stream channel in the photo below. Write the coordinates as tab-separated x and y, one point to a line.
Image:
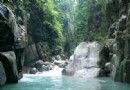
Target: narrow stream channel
53	80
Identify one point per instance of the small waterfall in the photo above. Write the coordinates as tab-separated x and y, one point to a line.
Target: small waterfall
55	72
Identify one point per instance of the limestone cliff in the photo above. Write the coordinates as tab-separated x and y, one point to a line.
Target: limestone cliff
13	40
119	43
29	31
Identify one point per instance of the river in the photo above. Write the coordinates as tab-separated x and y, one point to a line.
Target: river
53	80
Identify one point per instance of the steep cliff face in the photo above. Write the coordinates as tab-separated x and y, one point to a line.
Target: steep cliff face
13	40
27	23
44	31
119	43
102	19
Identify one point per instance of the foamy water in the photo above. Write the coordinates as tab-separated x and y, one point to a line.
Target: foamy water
53	80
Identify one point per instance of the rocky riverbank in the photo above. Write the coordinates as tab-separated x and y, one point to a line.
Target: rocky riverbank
117	44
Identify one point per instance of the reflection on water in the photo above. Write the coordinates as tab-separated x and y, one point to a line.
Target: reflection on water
38	82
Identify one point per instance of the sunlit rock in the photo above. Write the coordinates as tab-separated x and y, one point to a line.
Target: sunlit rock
85	62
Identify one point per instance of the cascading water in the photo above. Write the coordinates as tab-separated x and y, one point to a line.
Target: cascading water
55	72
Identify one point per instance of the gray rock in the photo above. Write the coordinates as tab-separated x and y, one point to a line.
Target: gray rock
123	72
33	71
37	51
43	51
85	60
61	63
31	54
51	67
13	38
39	64
45	68
119	45
8	60
2	75
47	63
26	70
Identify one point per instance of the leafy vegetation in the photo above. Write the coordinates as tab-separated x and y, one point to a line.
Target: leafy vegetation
90	20
66	18
44	23
63	24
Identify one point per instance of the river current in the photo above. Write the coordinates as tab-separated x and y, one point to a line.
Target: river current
53	80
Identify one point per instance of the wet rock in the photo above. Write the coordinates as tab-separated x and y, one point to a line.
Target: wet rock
33	71
61	63
47	63
45	68
8	60
107	69
51	67
56	58
2	75
39	64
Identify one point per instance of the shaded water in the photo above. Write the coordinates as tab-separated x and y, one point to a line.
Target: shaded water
39	82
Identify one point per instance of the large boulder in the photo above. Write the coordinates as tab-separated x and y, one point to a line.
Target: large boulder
33	71
8	60
43	66
2	75
39	64
85	60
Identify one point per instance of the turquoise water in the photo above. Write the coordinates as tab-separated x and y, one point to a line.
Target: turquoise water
39	82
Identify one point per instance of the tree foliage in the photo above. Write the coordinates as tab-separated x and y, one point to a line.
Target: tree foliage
66	18
90	21
45	22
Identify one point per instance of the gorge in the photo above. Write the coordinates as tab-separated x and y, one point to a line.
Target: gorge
64	44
